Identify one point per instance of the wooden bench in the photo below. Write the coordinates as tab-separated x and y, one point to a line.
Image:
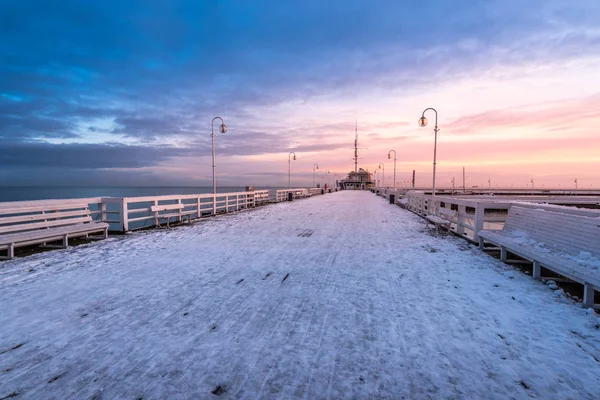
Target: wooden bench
445	218
169	211
561	241
44	223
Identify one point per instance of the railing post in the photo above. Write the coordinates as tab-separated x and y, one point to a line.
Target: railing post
155	203
460	228
124	215
103	208
433	205
479	218
198	206
180	218
214	200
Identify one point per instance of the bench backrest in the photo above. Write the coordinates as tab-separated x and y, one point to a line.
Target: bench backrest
565	232
30	218
167	207
446	212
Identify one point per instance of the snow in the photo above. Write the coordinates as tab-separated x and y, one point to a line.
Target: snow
509	274
373	306
586	259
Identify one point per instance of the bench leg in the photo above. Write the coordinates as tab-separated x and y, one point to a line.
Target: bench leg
588	295
503	252
63	245
537	270
10	252
481	243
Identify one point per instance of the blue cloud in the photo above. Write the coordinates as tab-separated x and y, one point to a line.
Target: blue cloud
159	68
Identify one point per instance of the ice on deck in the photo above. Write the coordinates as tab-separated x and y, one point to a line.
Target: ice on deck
373	307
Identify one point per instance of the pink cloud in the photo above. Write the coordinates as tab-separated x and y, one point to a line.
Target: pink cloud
557	116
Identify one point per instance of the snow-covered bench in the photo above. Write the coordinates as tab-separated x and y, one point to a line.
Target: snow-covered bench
445	218
49	222
562	242
170	211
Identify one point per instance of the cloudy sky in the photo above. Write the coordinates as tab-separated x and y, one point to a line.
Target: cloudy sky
123	92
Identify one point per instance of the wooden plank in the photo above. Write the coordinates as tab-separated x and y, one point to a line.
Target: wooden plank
563	209
437	220
447	212
46	224
568	232
36	217
166	207
39	208
556	263
38	236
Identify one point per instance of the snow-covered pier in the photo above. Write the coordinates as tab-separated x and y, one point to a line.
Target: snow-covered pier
337	296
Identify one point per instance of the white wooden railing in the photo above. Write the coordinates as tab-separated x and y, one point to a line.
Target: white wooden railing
472	215
99	208
136	211
131	213
282	195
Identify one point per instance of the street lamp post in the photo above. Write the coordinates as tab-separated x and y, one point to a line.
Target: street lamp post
290	168
383	178
423	123
222	129
315	166
453	180
326	177
389	156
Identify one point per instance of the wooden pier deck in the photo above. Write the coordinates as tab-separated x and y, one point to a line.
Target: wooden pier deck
337	296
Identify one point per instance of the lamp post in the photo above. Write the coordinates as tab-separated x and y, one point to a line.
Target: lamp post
376	180
423	123
290	168
315	166
453	180
389	156
383	178
326	177
489	184
222	129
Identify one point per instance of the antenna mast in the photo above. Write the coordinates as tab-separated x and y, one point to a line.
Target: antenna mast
356	147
